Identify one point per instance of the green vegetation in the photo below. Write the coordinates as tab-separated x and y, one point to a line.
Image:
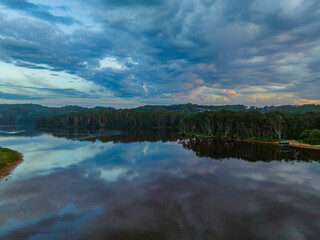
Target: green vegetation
250	125
188	108
25	114
195	108
113	119
222	123
7	156
311	136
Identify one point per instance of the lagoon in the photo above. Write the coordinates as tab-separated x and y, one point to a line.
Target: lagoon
85	184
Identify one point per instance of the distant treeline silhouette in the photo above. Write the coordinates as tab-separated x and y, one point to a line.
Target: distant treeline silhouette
25	114
218	123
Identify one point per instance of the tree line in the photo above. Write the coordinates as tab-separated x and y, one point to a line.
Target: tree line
112	119
25	114
222	123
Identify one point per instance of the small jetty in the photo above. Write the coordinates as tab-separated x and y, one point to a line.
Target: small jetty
284	143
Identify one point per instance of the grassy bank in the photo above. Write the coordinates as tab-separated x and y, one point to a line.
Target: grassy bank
8	159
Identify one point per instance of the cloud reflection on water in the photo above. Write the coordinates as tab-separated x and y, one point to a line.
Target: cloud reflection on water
152	190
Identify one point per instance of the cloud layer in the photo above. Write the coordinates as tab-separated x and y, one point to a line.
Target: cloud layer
207	51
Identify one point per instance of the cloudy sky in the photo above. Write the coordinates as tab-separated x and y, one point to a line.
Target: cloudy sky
125	53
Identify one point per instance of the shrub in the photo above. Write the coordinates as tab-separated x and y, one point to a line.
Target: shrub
311	136
305	134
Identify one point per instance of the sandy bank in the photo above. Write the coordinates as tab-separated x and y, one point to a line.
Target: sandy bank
294	143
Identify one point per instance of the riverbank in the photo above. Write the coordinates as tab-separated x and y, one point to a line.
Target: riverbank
295	143
9	159
292	143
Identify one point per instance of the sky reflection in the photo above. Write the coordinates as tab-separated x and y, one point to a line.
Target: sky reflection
67	189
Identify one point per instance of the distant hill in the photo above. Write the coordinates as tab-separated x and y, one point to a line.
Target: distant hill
292	108
25	114
188	108
194	108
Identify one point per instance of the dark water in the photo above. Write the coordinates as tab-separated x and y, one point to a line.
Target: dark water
84	184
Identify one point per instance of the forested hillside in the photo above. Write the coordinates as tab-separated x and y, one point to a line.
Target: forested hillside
25	114
194	108
189	108
214	123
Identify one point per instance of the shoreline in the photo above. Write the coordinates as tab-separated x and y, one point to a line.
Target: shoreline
292	143
9	167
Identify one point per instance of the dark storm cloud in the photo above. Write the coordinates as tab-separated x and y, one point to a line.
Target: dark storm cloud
13	96
65	91
179	30
179	46
42	93
29	65
37	11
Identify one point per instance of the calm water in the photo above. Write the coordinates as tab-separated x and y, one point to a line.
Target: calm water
152	185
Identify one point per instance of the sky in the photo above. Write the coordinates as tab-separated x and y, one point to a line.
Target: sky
127	53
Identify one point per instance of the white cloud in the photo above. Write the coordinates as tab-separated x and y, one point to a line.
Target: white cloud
111	62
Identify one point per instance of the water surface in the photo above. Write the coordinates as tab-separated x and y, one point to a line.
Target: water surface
86	184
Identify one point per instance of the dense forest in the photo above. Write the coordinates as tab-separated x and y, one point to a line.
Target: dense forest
222	123
25	114
113	119
195	108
